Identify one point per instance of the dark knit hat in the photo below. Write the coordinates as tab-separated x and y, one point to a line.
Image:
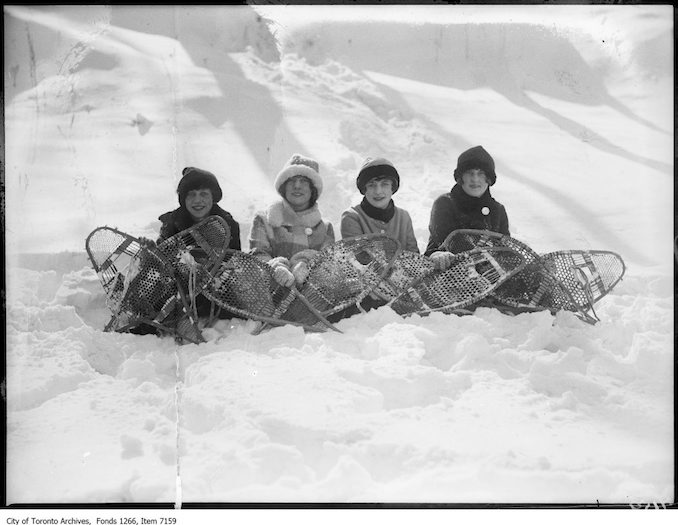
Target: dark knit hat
377	168
478	158
195	178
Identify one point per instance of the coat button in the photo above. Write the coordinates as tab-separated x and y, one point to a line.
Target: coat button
308	231
485	210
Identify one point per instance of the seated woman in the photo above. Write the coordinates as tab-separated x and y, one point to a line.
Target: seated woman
292	230
468	205
198	193
377	180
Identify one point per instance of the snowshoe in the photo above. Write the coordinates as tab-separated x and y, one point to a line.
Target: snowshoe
244	285
473	275
346	272
157	285
566	280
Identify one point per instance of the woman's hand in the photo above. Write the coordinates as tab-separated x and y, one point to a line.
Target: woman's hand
279	261
281	271
283	276
442	260
300	272
303	255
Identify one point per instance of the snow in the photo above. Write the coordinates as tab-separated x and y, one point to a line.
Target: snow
105	105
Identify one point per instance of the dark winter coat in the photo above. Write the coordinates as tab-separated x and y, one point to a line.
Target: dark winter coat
458	210
179	220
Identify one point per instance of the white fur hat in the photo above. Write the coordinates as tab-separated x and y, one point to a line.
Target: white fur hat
300	165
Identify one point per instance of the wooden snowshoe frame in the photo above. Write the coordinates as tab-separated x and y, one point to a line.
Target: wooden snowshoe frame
408	268
473	275
589	275
198	251
155	285
347	271
244	285
565	280
340	275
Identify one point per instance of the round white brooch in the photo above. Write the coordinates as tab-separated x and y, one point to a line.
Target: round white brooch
485	210
308	231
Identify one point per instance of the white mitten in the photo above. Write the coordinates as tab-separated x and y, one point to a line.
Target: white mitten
303	255
279	261
300	272
283	276
442	260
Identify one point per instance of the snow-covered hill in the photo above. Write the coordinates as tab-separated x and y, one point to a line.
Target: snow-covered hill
208	87
105	105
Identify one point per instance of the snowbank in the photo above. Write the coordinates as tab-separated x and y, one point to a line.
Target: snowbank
437	409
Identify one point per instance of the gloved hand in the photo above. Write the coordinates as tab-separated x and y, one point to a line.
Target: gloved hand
300	272
303	255
283	276
279	261
281	271
442	260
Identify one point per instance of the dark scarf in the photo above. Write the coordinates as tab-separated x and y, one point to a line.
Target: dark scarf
469	204
384	215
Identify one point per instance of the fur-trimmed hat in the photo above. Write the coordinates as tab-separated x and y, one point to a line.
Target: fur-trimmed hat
195	178
478	158
299	165
377	168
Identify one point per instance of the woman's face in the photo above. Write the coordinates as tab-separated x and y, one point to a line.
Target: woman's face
298	192
199	203
474	182
378	192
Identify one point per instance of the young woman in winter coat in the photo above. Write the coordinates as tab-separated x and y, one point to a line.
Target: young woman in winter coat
198	192
469	205
289	233
378	180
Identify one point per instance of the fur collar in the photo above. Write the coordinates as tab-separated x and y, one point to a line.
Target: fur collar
282	214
